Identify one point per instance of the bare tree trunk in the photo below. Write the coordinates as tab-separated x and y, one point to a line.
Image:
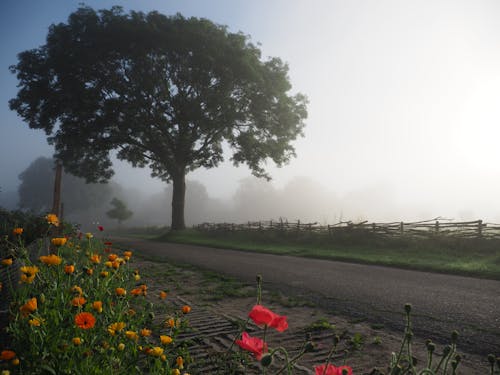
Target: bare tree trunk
56	202
178	199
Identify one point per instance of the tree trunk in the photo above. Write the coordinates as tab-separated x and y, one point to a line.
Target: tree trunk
178	199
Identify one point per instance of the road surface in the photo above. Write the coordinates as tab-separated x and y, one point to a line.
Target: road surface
441	303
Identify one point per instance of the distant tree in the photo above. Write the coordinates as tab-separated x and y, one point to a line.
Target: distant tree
37	185
119	211
165	91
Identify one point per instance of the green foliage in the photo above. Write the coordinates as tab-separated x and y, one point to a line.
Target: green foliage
119	211
165	91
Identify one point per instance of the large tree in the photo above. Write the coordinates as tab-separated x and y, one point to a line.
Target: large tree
164	91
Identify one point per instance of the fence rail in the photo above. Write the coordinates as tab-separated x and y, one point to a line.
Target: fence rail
426	228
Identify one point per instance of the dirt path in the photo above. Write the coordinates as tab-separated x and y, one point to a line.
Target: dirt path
441	303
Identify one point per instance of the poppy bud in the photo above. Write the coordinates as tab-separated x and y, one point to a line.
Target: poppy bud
266	360
454	337
309	347
408	308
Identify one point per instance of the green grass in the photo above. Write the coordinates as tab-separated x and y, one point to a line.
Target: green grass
469	257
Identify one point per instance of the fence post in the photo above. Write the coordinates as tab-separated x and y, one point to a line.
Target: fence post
436	226
374	227
401	228
479	228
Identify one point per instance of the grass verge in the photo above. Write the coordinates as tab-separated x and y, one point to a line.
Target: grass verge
467	257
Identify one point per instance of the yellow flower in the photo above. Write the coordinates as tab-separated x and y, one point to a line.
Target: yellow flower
15	361
145	332
17	231
165	340
35	322
132	335
5	372
175	371
52	219
59	241
120	291
7	262
137	277
108	264
97	306
51	259
180	362
76	341
104	274
121	346
156	351
89	235
115	327
28	273
163	357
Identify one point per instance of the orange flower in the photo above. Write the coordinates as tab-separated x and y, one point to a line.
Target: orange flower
7	261
89	271
17	231
51	260
104	274
145	332
69	269
180	362
97	306
77	289
95	258
165	340
171	322
78	301
115	264
112	257
29	307
59	241
7	355
76	341
120	291
186	309
85	320
127	254
163	294
52	219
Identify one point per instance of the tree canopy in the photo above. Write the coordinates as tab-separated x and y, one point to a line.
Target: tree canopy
163	91
37	187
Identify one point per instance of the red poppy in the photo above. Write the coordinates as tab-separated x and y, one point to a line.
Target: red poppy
263	316
331	370
107	243
100	227
253	344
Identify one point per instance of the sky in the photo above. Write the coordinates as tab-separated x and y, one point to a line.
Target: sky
404	97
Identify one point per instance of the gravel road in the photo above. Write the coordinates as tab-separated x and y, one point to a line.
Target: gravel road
441	303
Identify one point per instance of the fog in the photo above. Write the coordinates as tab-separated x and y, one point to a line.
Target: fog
403	109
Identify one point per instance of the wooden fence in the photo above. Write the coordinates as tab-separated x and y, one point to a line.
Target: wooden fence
426	228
